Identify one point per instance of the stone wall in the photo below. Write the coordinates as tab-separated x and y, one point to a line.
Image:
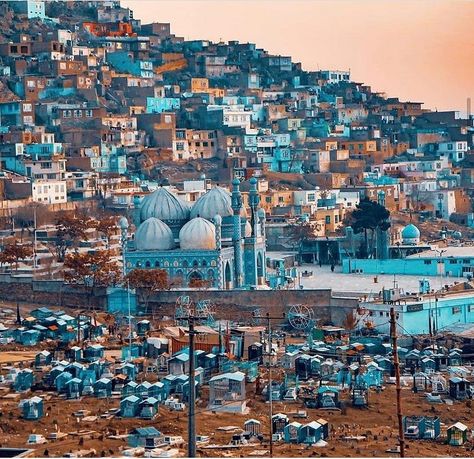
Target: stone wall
239	305
227	304
48	293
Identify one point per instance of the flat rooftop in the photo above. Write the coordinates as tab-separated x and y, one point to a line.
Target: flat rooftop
363	284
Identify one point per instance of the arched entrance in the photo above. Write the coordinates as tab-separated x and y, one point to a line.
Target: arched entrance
195	279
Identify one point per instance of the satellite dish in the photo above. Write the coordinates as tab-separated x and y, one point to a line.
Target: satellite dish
300	317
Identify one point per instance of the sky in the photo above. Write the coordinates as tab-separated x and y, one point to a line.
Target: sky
418	50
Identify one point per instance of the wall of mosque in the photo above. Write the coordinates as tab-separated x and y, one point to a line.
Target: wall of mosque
182	266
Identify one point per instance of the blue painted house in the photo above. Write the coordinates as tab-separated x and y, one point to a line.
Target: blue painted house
129	389
61	380
146	437
103	388
148	408
73	388
24	380
43	358
32	408
129	406
311	433
292	432
93	352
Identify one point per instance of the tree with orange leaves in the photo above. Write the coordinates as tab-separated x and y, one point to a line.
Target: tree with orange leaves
147	282
91	270
106	226
13	253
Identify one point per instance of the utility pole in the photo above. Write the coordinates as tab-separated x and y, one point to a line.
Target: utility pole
191	317
192	393
269	318
396	364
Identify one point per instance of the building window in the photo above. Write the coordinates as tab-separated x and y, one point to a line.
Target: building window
456	310
157	264
427	262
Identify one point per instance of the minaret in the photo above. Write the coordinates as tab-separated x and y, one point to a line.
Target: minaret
237	236
123	225
220	274
254	201
218	224
382	236
136	211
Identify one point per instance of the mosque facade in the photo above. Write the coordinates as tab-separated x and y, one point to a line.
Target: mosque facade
213	240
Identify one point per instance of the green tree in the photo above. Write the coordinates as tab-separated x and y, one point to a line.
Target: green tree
367	218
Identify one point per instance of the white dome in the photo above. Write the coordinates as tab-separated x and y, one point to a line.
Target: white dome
153	234
164	205
216	201
198	234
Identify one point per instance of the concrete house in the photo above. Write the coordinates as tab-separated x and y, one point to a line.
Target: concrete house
147	437
457	434
227	392
32	408
129	406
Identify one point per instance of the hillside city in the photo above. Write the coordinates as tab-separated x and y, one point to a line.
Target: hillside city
207	250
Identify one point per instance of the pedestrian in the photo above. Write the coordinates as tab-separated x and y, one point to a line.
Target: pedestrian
332	268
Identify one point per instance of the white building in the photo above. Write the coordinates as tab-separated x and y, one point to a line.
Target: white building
453	151
49	192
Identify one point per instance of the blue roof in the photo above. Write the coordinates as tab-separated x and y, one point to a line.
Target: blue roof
410	232
131	399
146	431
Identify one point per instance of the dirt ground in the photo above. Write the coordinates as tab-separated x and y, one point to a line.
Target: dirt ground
15	357
378	423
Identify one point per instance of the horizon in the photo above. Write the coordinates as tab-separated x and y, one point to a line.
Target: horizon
422	41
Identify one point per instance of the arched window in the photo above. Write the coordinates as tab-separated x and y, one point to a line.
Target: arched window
148	264
204	263
195	263
157	264
138	264
185	264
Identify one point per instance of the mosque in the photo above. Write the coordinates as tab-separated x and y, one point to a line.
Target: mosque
213	240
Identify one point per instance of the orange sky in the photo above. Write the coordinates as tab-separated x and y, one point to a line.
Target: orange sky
416	49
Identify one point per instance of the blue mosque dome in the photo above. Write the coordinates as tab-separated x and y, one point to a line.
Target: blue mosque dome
153	234
216	201
411	234
198	234
164	205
